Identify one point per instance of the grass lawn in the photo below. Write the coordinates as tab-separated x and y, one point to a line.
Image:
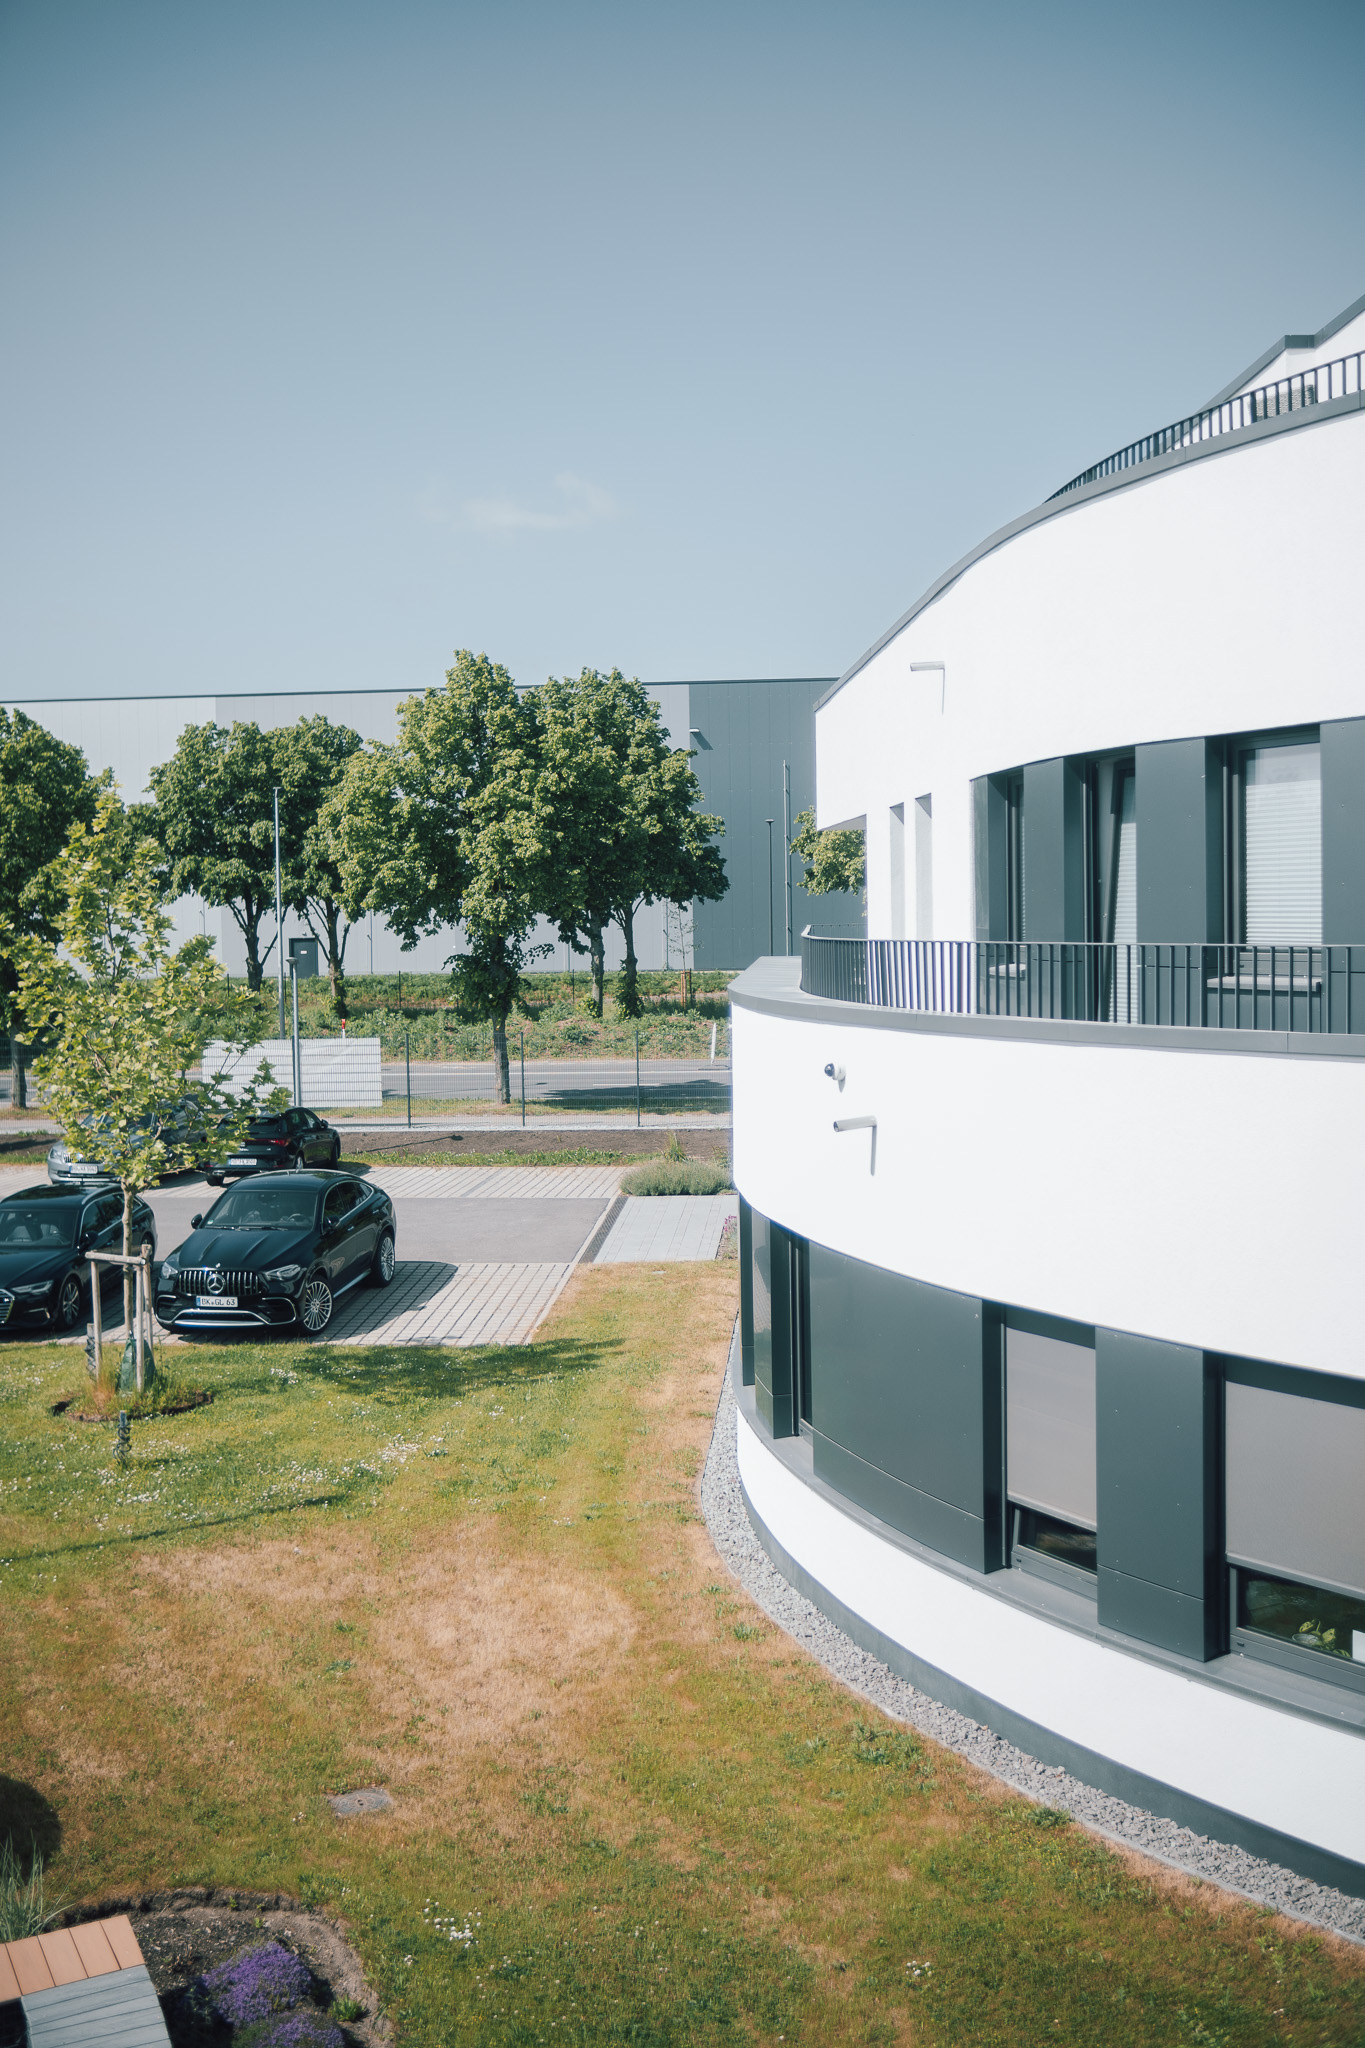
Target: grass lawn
480	1579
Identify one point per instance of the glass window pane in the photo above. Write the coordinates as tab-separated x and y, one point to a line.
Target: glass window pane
1306	1616
1296	1487
1050	1423
1282	794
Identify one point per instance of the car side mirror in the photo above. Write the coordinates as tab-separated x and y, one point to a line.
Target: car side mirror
196	1223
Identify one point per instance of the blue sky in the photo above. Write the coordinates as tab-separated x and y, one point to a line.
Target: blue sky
695	339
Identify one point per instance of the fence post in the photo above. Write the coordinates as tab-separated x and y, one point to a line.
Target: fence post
521	1036
637	1077
407	1066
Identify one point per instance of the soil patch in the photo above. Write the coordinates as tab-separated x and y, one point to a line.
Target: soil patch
182	1934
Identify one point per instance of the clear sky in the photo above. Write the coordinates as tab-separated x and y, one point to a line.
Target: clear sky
693	338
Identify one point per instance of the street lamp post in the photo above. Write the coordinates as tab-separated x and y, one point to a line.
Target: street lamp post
772	943
279	930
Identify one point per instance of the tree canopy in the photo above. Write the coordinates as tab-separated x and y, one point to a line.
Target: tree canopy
616	816
832	860
215	820
45	788
441	829
310	762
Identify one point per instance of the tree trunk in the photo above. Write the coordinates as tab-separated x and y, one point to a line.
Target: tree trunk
629	998
502	1075
129	1287
251	931
597	955
336	954
18	1075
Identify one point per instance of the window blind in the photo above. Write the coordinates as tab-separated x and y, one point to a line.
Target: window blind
1282	797
1050	1424
1123	995
1296	1487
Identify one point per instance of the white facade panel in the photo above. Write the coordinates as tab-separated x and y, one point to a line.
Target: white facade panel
1137	1189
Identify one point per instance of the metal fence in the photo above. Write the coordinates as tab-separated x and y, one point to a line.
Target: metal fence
1229	988
1341	379
636	1086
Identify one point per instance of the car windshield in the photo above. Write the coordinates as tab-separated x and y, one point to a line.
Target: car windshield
30	1229
264	1205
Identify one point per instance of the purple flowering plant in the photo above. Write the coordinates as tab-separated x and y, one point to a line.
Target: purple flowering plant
255	1985
305	2029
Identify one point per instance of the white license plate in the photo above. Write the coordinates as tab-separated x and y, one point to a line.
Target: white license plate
215	1301
244	1162
81	1167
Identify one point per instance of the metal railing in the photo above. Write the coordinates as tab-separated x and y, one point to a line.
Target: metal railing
1215	987
1341	379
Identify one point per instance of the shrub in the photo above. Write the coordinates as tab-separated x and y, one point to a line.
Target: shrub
254	1985
678	1177
23	1909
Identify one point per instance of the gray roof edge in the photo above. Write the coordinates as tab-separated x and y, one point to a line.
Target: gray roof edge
1290	341
1085	494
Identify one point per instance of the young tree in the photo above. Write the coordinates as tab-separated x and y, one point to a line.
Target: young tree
215	820
617	817
832	860
45	788
311	760
440	829
122	1017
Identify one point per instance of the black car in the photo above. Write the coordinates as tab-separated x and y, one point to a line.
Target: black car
296	1137
181	1124
46	1238
276	1253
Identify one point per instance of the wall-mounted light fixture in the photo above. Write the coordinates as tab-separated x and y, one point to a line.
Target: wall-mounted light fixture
835	1073
694	732
855	1123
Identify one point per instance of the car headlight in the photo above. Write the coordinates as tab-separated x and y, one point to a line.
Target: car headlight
280	1276
34	1290
170	1267
61	1150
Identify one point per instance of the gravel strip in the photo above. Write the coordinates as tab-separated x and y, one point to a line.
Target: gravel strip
1221	1863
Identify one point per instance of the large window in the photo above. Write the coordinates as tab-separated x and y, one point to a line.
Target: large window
1277	829
1296	1524
1050	1444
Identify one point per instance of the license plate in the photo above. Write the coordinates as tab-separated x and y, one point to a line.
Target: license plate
215	1301
91	1172
244	1162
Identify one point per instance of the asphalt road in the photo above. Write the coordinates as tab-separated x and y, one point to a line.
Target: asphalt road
459	1230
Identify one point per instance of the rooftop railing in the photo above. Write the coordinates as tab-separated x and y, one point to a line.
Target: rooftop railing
1228	988
1341	379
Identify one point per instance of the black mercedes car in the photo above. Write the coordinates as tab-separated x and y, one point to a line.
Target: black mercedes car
46	1238
276	1252
296	1137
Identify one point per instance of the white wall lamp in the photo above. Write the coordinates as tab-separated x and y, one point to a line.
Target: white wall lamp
922	667
855	1123
835	1073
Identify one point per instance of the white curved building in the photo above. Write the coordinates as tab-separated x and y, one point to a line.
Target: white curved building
1054	1187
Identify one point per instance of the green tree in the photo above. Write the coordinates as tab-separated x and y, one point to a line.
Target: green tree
45	788
832	860
617	817
311	760
215	820
122	1018
440	829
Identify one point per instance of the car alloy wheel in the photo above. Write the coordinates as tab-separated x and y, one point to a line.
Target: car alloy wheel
315	1307
69	1302
385	1261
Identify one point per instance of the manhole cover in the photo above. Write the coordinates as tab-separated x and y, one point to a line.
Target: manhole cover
371	1799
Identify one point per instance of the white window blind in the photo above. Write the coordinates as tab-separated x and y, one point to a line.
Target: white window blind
1123	994
1050	1424
1283	811
1296	1487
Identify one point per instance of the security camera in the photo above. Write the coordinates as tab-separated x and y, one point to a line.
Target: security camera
835	1073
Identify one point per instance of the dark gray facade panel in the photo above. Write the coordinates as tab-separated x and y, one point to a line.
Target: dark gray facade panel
1159	1493
988	857
906	1381
746	1292
1054	850
1179	841
761	1299
771	1280
1343	832
742	733
933	1522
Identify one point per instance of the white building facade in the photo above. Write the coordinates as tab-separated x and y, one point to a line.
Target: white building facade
1052	1187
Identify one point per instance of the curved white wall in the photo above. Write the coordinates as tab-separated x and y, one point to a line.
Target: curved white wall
1220	596
1140	1189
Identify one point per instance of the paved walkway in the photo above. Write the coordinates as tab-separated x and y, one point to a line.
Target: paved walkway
498	1183
430	1302
667	1227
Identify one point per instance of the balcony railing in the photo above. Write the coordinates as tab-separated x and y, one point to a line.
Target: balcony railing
1228	988
1341	379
